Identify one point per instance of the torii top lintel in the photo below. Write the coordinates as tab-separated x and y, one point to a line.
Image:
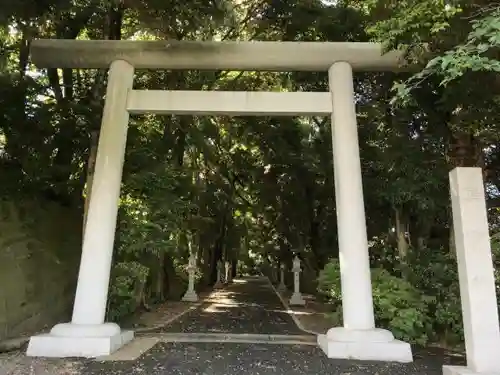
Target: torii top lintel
208	55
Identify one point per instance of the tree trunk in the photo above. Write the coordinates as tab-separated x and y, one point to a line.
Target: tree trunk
157	289
402	242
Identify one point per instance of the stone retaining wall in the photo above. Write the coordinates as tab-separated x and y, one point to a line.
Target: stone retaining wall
39	254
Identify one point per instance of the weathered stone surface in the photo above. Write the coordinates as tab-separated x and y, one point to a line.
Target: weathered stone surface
209	55
40	246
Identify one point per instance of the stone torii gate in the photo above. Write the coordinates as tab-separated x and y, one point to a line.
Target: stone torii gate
87	335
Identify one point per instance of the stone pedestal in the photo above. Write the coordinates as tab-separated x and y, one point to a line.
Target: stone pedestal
475	274
218	283
358	339
282	286
75	340
296	299
190	295
87	335
368	345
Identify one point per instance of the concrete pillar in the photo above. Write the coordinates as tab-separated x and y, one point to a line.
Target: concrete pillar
350	209
282	286
296	299
87	335
475	274
358	339
190	295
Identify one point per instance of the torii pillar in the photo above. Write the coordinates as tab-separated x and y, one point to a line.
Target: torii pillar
358	338
87	335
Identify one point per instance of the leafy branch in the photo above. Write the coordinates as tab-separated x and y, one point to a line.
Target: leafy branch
478	53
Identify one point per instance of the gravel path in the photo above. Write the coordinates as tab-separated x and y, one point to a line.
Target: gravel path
255	359
247	306
228	359
244	307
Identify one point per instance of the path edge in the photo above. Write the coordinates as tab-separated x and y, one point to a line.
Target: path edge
289	310
172	319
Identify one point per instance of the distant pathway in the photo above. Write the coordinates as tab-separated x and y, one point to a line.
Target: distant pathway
247	306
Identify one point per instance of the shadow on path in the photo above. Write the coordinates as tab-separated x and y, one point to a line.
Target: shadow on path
247	306
250	359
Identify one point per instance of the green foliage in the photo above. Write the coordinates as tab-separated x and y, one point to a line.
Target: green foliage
474	55
154	213
399	306
422	29
434	271
410	22
425	306
126	277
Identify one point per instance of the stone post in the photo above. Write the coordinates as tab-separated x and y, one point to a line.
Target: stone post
296	298
190	295
226	272
273	273
358	339
475	274
282	286
230	272
87	335
218	283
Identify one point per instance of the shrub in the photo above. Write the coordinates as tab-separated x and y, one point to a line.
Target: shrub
126	278
399	306
434	272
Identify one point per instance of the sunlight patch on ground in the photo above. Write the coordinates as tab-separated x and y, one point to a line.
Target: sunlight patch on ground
212	309
294	312
221	300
